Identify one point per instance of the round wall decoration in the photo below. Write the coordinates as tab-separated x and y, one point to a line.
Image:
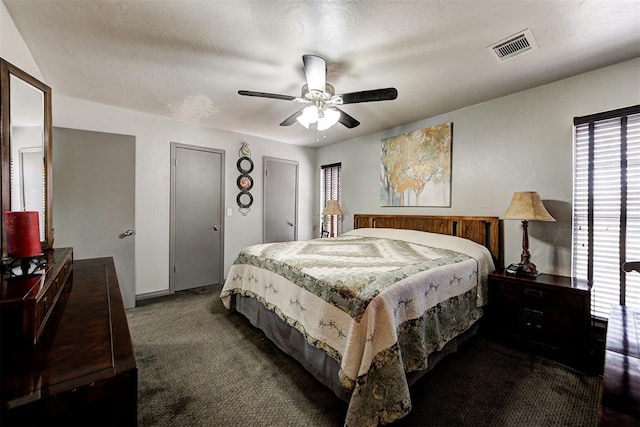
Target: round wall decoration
245	165
244	200
244	181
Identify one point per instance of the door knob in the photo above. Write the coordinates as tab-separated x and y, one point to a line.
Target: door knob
290	223
127	234
215	227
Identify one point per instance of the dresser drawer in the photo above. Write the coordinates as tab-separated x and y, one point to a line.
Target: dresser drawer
45	304
27	302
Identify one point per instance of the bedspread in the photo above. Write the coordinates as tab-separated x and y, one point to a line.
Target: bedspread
377	305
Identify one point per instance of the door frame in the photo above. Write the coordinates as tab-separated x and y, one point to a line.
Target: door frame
264	194
172	210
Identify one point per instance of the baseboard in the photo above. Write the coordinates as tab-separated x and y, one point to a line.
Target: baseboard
154	294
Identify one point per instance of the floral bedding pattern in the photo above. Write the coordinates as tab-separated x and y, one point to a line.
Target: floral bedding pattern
377	305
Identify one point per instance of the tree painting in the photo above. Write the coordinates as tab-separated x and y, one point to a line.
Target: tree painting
415	168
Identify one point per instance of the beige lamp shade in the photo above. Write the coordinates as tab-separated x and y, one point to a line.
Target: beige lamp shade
332	208
527	205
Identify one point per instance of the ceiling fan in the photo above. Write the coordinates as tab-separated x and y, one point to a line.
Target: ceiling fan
319	98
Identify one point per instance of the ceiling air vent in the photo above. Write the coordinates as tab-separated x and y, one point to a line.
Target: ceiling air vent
513	45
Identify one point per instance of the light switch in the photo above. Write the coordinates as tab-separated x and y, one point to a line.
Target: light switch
229	211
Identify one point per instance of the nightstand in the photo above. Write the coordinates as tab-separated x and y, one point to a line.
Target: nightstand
546	314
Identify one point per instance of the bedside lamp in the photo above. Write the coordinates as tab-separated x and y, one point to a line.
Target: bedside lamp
332	208
526	206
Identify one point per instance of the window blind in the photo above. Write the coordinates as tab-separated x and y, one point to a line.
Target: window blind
606	206
331	188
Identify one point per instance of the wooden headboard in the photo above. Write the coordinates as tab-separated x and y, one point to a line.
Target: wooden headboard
481	229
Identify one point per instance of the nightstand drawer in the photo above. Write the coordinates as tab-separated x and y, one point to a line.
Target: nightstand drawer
538	319
537	296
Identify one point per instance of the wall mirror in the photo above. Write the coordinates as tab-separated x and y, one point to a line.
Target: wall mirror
25	137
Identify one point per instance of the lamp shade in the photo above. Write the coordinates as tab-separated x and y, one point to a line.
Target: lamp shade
330	118
324	117
332	208
23	234
527	205
309	115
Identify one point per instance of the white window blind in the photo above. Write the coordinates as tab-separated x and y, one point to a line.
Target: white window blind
331	188
606	206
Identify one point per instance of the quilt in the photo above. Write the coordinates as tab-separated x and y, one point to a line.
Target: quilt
378	301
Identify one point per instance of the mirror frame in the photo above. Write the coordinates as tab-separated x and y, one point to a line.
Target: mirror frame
6	71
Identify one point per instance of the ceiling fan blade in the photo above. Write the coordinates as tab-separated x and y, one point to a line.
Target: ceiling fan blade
347	120
386	94
315	69
291	119
266	95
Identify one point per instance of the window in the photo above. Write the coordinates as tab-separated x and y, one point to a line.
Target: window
331	188
606	206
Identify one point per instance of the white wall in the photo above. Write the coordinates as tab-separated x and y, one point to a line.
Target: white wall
13	47
153	138
153	141
520	142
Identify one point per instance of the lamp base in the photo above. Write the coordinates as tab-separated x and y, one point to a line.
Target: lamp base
521	269
14	267
528	269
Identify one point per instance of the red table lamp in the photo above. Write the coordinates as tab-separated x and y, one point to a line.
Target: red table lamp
22	229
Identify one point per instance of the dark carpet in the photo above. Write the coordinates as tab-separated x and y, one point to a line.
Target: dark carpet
200	365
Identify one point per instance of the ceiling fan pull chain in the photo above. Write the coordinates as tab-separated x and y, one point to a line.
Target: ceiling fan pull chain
324	136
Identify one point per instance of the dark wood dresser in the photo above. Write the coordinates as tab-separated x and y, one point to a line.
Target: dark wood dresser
83	369
621	379
547	314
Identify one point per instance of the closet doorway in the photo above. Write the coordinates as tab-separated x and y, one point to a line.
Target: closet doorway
197	229
94	199
280	200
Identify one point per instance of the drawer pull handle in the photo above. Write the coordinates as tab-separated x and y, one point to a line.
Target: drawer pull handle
533	318
533	293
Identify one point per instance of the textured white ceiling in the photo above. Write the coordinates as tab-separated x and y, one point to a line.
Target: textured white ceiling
187	59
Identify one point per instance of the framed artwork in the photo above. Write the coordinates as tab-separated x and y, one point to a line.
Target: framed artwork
415	168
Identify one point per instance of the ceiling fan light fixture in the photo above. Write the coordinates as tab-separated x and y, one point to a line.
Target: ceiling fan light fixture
309	115
303	121
331	116
324	117
320	100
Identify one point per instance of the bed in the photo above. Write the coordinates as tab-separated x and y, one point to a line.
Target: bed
371	311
